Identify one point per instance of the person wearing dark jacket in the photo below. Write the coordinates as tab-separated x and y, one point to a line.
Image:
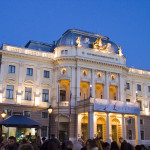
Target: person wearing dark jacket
12	145
124	144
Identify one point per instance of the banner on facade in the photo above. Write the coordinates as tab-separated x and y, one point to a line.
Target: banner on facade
116	106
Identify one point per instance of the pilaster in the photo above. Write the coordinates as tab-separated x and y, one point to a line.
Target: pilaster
106	86
78	84
90	125
137	130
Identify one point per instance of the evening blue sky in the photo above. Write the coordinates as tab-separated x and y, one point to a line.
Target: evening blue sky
125	22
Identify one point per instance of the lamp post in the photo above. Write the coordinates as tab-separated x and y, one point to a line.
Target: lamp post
50	112
3	114
90	90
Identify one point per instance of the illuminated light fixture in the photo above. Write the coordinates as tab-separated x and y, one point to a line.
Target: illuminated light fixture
50	109
3	114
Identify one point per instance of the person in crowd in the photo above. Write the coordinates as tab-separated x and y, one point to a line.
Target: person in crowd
34	144
68	145
54	143
101	140
12	145
87	145
124	144
93	145
99	144
137	147
106	146
43	139
78	144
114	146
4	143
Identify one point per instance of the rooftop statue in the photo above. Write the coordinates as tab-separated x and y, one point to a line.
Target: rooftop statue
98	44
119	51
78	41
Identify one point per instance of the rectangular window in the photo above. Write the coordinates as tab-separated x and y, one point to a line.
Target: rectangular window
9	91
128	86
141	121
62	52
27	114
138	87
129	121
140	104
45	95
148	88
62	95
28	93
11	69
46	74
130	134
8	112
127	100
66	52
142	135
44	115
44	131
29	71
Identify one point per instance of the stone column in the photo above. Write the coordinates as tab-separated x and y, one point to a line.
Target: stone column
19	92
134	91
137	130
106	86
108	132
79	118
145	96
2	67
72	87
90	125
121	88
123	127
93	84
37	95
78	84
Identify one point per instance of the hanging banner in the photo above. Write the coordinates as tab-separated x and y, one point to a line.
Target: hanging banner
116	106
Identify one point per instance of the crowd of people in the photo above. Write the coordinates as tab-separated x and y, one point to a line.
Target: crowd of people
54	144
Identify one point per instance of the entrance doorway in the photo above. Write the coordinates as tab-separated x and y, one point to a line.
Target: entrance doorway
114	133
99	130
63	131
84	128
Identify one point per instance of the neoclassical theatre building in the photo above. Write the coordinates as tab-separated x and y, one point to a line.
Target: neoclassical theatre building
84	77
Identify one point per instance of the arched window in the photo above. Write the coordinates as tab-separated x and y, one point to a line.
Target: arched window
63	71
99	75
84	73
112	77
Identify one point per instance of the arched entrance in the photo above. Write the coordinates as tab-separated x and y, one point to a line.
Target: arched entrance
84	127
63	127
116	129
101	127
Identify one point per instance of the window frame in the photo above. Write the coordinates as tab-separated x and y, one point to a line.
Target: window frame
29	72
143	135
28	93
128	85
45	95
9	91
46	74
11	69
42	115
46	131
139	88
27	111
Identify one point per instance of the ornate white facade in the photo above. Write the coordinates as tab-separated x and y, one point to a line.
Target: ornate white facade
79	70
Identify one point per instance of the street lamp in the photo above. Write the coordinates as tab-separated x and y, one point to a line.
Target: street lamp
90	90
50	112
3	114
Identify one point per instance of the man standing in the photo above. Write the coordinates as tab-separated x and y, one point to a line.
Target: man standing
12	145
124	144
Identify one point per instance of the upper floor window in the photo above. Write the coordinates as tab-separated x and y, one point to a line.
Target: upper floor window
148	88
29	71
84	73
63	71
142	135
128	86
138	87
112	77
27	114
44	115
140	103
127	100
46	74
62	95
64	52
8	112
28	93
9	91
45	95
99	75
11	69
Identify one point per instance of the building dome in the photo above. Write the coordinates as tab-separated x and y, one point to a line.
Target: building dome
70	36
